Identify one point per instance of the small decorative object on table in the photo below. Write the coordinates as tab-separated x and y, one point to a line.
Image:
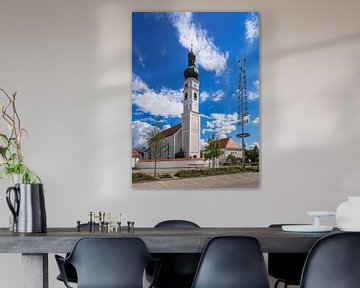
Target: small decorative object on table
348	214
316	227
102	222
27	204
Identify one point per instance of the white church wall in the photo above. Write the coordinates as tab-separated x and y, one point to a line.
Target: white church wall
172	163
70	63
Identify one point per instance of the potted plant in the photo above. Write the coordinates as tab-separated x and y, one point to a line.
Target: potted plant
12	161
26	197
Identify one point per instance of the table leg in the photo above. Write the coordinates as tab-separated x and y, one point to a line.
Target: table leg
35	270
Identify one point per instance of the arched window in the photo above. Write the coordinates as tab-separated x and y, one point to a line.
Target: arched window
186	95
195	96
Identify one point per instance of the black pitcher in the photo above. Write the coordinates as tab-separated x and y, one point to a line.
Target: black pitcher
28	208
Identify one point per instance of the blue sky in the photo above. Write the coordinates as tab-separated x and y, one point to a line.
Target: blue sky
160	43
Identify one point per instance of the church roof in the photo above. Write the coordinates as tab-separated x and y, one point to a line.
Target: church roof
171	130
135	153
228	143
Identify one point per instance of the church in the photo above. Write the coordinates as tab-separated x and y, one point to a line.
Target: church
183	139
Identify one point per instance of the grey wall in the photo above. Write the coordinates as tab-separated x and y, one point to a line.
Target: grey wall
70	63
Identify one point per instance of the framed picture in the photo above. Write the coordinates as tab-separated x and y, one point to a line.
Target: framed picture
195	100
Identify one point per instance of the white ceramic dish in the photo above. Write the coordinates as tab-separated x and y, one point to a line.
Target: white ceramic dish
306	228
321	213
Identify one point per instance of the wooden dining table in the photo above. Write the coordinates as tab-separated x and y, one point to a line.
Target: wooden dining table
35	247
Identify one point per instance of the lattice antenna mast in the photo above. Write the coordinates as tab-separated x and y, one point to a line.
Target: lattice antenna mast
243	114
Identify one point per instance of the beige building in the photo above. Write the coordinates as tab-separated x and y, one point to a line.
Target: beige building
229	147
135	156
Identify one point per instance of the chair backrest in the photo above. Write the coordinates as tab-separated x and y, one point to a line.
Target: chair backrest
333	262
232	262
110	262
176	224
178	269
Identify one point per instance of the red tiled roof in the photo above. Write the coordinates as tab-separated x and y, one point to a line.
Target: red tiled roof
135	153
228	143
171	130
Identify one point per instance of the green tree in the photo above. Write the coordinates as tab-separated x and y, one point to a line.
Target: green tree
231	158
252	154
212	151
255	154
157	144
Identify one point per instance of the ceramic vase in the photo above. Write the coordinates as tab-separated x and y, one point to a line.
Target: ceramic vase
348	214
27	204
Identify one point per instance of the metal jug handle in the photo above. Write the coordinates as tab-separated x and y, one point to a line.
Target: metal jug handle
13	208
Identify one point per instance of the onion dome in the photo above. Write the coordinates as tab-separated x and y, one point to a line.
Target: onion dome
191	70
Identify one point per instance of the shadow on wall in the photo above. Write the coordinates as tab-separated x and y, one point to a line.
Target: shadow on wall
309	47
311	95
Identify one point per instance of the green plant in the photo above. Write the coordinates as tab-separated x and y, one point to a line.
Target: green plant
231	158
252	155
12	160
212	150
208	172
157	144
138	177
163	176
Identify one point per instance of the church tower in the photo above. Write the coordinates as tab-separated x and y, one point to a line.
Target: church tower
190	118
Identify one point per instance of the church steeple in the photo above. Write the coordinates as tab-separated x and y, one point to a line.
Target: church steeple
191	70
190	118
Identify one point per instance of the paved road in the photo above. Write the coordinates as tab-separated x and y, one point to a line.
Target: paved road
241	180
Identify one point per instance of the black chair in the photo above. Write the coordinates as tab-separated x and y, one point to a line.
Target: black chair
69	269
333	262
232	262
108	263
286	267
178	269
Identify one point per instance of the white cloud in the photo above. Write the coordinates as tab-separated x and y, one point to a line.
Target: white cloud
166	102
218	95
204	96
167	126
140	133
209	56
203	143
205	116
252	27
140	56
253	93
252	145
246	118
256	120
221	125
138	85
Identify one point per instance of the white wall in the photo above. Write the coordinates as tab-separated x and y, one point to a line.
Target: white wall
70	63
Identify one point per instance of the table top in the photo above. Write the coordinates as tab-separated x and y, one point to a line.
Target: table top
158	240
